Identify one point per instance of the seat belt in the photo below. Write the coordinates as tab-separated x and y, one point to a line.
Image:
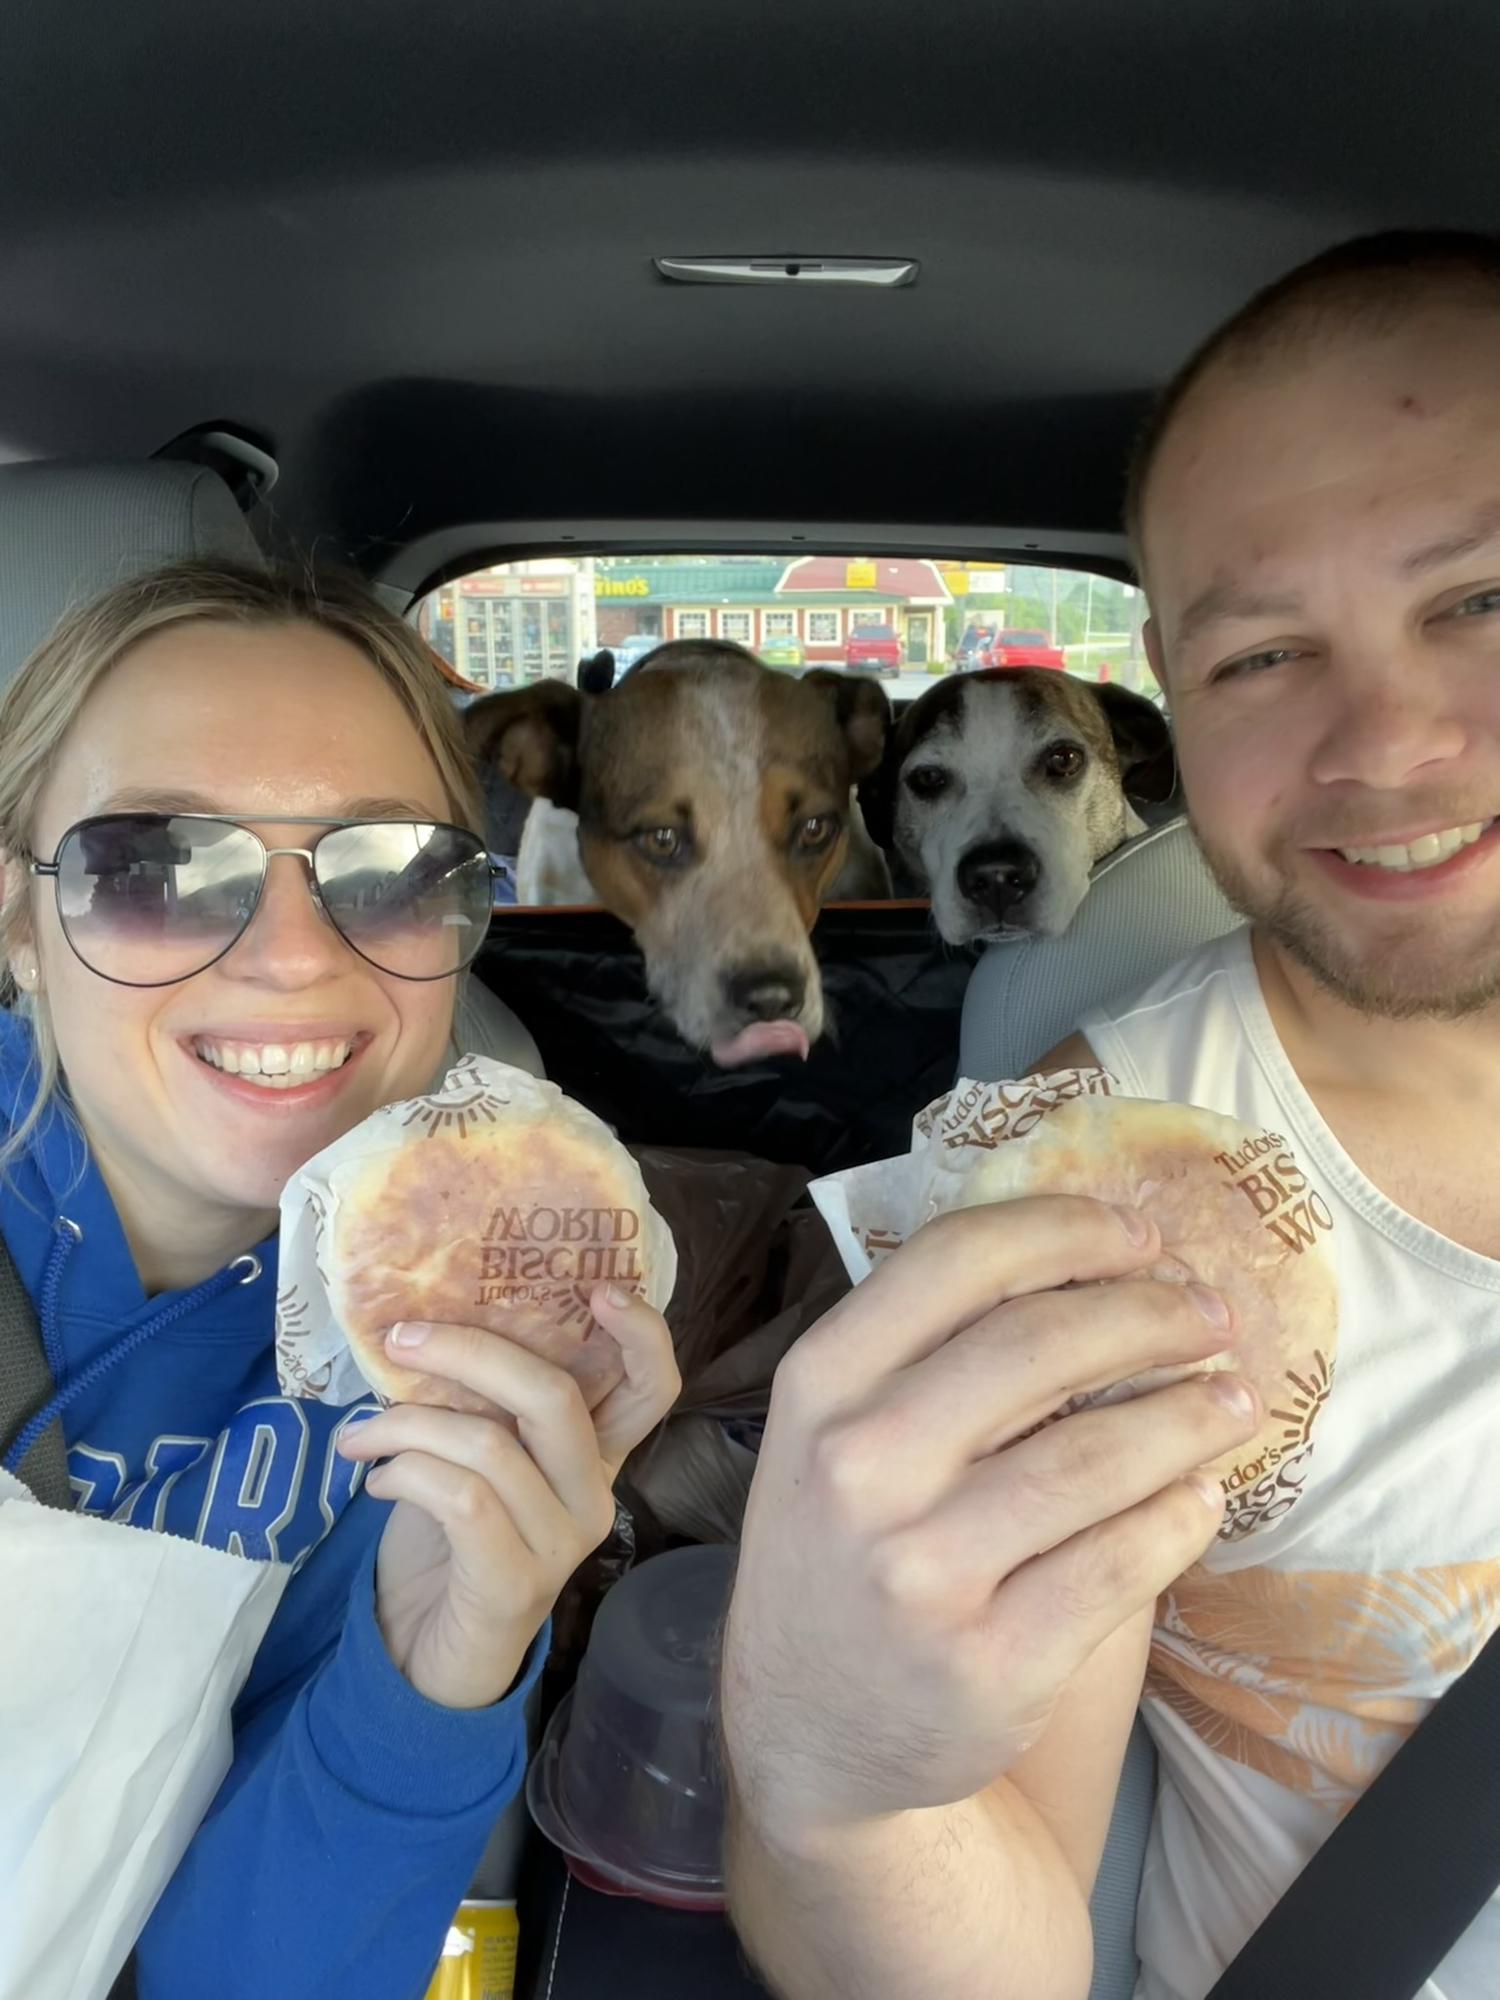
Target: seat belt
25	1384
1405	1873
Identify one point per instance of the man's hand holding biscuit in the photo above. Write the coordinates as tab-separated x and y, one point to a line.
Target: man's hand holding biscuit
924	1569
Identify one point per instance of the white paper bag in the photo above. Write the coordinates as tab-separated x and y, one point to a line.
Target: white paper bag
121	1654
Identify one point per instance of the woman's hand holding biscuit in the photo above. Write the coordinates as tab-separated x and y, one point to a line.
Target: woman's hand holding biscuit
492	1518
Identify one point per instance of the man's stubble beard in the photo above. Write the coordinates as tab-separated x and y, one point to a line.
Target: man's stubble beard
1399	987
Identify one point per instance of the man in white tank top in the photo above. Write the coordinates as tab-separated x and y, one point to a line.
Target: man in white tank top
1317	516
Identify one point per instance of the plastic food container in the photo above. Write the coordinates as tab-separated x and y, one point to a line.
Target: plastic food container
627	1782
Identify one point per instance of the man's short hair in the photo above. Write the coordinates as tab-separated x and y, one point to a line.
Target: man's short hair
1367	285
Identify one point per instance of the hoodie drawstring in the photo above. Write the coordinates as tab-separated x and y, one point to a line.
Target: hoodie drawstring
243	1271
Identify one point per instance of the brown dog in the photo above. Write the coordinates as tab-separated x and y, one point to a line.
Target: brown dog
714	803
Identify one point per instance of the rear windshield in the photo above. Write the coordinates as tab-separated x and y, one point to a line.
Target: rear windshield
585	620
505	625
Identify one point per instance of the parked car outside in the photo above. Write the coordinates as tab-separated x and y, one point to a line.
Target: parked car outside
629	650
1020	649
875	648
975	639
783	651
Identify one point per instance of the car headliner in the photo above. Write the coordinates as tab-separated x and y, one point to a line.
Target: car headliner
411	243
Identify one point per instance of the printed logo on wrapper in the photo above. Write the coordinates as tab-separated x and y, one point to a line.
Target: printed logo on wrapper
319	1216
534	1255
987	1114
872	1210
466	1101
293	1326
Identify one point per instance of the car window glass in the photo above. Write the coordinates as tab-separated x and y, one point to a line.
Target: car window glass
908	621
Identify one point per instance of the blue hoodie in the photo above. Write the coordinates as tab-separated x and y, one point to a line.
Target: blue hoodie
349	1827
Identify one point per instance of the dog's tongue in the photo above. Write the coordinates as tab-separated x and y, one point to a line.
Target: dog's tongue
766	1038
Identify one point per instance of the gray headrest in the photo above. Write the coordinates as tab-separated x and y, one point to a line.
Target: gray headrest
1150	903
69	529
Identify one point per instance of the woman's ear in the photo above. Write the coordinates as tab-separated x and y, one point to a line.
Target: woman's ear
22	959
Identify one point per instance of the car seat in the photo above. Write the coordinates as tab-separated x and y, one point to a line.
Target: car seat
1150	903
71	528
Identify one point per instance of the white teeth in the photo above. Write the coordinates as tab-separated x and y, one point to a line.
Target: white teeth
1427	852
273	1065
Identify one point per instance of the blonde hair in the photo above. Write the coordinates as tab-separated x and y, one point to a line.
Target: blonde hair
41	704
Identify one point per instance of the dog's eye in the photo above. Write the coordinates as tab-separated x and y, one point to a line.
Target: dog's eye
1063	760
818	832
927	781
661	843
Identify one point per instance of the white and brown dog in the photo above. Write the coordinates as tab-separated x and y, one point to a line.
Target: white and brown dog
707	802
1002	790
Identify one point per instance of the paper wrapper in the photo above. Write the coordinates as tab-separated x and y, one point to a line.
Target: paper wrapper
494	1202
119	1664
1236	1211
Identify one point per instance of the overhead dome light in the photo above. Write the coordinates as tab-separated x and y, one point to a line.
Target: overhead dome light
882	271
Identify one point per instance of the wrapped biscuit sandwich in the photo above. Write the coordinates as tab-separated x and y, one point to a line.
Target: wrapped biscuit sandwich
494	1202
1235	1209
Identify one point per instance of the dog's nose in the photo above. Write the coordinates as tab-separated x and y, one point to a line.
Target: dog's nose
998	876
765	992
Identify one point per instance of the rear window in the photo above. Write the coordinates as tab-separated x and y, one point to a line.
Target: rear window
509	624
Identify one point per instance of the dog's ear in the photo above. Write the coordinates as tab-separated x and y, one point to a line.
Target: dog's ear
863	713
877	801
531	738
596	674
1143	742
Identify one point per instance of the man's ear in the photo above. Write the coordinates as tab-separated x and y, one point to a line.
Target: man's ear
530	738
1155	655
1143	743
863	713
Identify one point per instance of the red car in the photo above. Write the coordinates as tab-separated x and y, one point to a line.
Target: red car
876	648
1021	649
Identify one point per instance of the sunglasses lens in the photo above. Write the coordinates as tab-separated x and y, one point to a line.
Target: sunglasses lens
412	897
148	899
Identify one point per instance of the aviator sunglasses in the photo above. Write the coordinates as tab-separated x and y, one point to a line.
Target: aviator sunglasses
151	898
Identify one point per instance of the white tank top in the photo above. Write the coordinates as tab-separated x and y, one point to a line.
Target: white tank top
1358	1571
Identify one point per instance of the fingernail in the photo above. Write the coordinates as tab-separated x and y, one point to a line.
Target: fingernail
1235	1394
1208	1489
1213	1308
1135	1225
618	1297
407	1333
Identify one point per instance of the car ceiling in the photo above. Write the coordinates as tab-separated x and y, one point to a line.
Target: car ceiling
411	243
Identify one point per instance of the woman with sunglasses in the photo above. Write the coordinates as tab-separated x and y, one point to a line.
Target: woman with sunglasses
242	879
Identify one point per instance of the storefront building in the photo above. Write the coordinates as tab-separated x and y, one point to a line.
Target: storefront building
816	601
